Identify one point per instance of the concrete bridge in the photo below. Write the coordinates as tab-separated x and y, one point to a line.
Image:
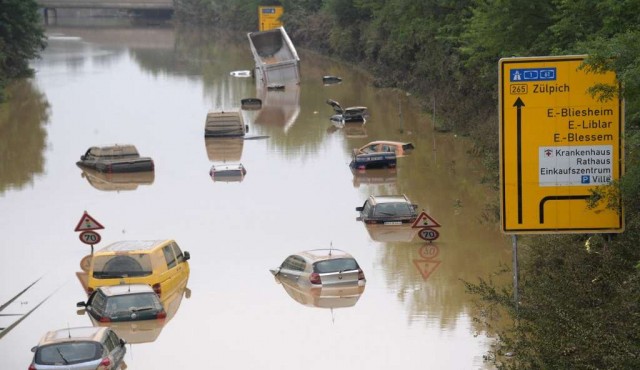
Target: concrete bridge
107	4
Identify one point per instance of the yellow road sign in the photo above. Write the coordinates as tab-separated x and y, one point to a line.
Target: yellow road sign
557	142
269	17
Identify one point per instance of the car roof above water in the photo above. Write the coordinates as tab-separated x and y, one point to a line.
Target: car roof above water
132	245
114	290
324	254
389	198
73	334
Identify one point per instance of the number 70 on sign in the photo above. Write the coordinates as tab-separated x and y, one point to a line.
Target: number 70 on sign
90	237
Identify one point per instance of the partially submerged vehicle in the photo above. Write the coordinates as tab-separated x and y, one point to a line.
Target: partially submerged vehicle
276	58
320	268
243	73
385	146
331	80
225	124
388	210
115	159
349	114
250	103
228	172
367	161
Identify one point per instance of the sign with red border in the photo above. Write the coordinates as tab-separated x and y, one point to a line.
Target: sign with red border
428	234
90	237
88	223
424	220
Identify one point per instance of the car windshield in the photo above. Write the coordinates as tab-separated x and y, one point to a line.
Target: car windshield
133	303
68	353
393	209
130	265
335	265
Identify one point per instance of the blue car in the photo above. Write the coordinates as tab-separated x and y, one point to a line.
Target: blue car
364	161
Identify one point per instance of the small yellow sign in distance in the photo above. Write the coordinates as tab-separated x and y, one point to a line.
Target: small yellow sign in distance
269	17
557	143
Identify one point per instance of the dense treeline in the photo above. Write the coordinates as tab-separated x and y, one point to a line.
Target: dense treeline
21	39
580	294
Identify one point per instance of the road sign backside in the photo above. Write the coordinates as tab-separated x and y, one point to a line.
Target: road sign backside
557	144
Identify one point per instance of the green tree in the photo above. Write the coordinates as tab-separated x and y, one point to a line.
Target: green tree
21	38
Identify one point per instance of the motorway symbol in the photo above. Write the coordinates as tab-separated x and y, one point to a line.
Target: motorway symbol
88	223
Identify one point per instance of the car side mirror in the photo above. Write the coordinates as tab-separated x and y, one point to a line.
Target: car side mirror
415	207
122	342
33	349
81	304
187	255
359	209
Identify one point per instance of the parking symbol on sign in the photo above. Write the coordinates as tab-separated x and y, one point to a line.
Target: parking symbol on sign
586	179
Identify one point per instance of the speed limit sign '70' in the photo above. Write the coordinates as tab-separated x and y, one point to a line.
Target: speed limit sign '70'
90	237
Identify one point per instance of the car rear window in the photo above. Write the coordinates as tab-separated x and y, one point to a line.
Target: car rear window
393	209
129	265
133	303
335	265
68	353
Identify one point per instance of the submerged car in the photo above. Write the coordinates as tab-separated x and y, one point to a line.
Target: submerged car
159	263
387	210
225	124
321	268
383	146
128	302
81	348
115	159
349	114
373	161
227	172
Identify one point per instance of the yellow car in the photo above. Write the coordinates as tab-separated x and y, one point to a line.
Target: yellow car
158	263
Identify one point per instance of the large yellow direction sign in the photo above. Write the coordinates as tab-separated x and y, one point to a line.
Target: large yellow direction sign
269	17
557	142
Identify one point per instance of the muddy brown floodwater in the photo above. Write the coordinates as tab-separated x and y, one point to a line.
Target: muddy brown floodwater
152	87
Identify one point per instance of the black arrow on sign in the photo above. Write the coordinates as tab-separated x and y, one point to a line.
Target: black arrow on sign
519	104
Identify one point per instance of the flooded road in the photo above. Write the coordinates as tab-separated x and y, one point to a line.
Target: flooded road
152	87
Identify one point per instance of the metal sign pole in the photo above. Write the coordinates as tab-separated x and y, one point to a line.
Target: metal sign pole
516	273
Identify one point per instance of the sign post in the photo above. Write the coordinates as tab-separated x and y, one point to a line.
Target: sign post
86	227
557	143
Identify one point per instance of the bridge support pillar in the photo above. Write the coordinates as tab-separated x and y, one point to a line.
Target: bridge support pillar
53	11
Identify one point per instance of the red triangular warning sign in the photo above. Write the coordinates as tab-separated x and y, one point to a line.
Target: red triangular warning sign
424	220
88	223
426	267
